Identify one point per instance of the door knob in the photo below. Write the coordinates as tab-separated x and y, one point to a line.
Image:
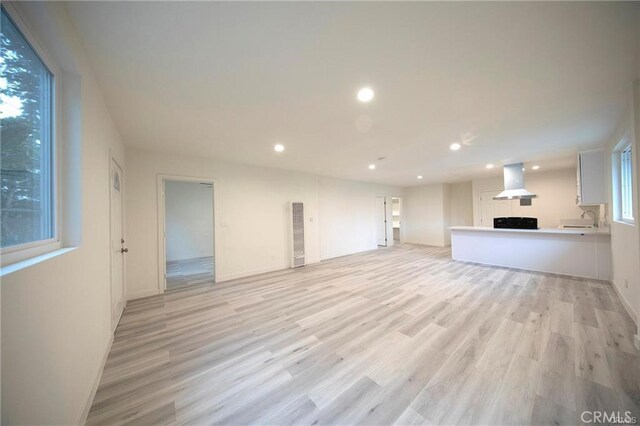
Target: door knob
124	250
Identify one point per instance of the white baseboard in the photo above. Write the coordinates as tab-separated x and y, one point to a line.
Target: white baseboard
625	303
250	273
222	278
143	293
245	274
82	418
346	253
422	243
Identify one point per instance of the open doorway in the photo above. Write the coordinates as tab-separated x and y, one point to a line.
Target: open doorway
188	233
396	206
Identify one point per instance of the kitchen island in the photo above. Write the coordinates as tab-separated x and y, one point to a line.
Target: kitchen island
574	252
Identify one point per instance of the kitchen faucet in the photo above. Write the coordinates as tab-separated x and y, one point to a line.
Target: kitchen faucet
595	216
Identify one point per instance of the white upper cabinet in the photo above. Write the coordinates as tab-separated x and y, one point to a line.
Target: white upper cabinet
591	178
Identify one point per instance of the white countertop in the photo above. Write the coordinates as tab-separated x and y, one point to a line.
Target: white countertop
570	231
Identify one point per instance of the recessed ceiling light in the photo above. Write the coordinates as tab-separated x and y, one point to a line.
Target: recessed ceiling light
489	166
365	94
536	167
278	147
420	177
455	146
372	166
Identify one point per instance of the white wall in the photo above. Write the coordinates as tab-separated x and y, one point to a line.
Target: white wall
461	202
429	211
251	224
188	220
625	238
424	215
56	314
556	196
347	216
446	211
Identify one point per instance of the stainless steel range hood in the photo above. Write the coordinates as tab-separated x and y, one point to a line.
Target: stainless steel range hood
514	184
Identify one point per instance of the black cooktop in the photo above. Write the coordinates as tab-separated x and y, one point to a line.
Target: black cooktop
515	222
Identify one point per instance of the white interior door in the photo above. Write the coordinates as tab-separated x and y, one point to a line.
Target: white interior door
118	249
381	221
490	208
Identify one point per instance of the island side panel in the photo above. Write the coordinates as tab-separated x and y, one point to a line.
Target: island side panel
567	254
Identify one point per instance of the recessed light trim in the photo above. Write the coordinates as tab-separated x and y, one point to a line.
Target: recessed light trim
536	167
489	166
372	166
455	146
366	94
278	147
420	177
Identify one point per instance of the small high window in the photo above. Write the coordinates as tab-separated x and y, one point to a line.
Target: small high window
27	160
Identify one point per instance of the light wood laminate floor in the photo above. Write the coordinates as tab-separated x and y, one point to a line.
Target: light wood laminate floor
182	273
399	335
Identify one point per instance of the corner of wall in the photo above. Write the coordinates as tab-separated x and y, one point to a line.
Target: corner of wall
84	414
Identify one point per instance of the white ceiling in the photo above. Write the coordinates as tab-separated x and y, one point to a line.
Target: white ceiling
511	81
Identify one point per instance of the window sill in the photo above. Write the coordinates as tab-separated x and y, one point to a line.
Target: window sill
625	222
24	264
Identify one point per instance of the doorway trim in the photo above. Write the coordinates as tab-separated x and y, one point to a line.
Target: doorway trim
162	246
386	220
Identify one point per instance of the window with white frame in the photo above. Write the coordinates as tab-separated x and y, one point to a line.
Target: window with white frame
626	184
27	160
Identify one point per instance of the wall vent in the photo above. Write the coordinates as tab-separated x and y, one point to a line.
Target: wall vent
297	234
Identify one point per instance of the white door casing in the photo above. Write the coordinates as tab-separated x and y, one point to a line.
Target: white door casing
117	241
381	221
163	237
162	229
